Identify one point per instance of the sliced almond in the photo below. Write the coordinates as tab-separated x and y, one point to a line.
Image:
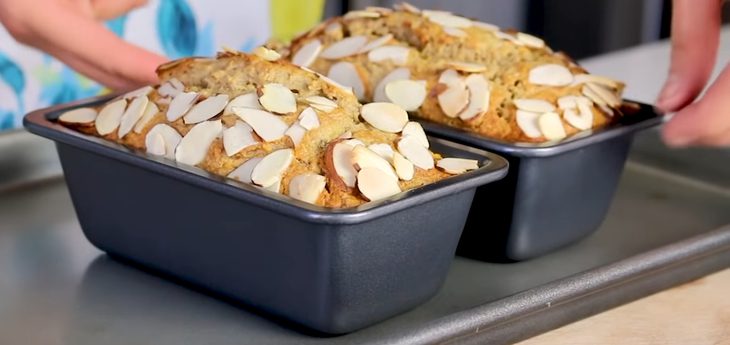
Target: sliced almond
309	52
237	138
386	117
596	79
347	47
134	112
167	89
479	97
110	116
307	187
79	115
337	85
376	43
530	41
400	73
321	103
272	167
274	187
333	29
354	142
571	102
177	84
412	149
143	91
341	158
170	139
454	32
609	97
551	75
375	184
296	132
415	130
149	113
485	26
206	109
534	105
243	172
447	20
507	37
551	126
180	105
346	74
309	119
383	150
267	125
195	144
403	167
247	100
408	8
593	96
456	97
362	158
277	98
457	166
266	53
527	121
581	119
164	100
361	14
408	94
381	10
467	67
397	54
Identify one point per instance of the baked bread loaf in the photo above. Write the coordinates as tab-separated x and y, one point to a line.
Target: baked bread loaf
459	72
274	125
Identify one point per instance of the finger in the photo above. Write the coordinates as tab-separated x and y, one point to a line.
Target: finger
703	122
94	50
695	39
721	140
109	9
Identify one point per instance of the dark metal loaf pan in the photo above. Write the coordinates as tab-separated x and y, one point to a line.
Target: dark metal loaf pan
331	270
554	194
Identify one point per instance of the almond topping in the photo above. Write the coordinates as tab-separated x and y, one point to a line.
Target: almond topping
272	167
296	132
593	96
346	74
267	125
78	115
361	14
446	19
381	10
177	84
243	172
342	162
456	97
206	109
530	41
362	158
308	119
180	105
195	144
378	42
408	94
110	116
596	79
454	32
247	100
415	130
134	112
485	26
375	184
467	67
507	37
277	98
237	138
581	120
274	187
143	91
608	96
551	126
527	121
383	150
551	75
457	166
168	89
307	187
412	149
408	8
162	140
149	113
386	117
397	54
534	105
479	96
321	103
309	52
571	102
348	46
403	167
266	53
400	73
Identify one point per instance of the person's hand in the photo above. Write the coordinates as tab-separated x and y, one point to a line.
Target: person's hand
73	32
695	40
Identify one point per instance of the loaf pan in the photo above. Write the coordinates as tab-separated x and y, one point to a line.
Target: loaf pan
329	270
554	194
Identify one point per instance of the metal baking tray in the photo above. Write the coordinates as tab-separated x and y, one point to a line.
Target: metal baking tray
332	270
554	194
